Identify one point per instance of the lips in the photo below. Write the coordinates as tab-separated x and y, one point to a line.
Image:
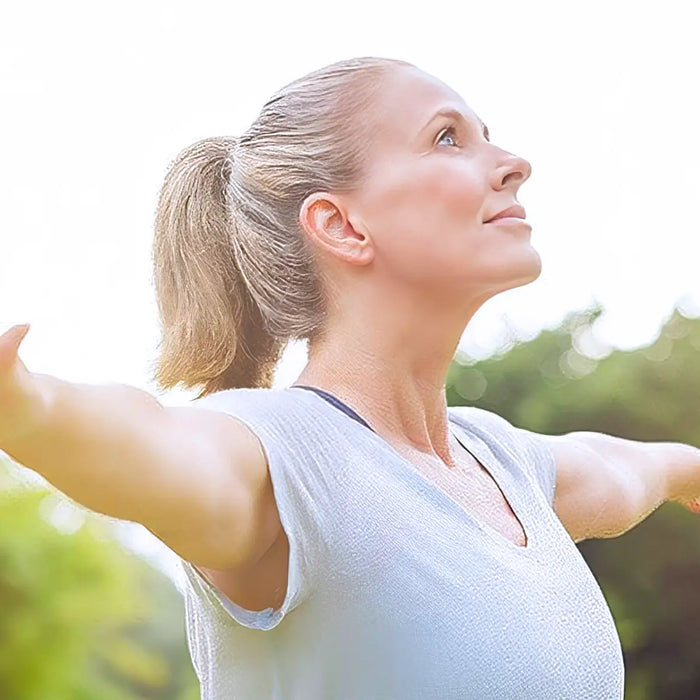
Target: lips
516	211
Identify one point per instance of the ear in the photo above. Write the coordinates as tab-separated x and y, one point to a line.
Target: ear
324	219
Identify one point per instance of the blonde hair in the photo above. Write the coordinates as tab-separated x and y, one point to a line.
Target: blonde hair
234	274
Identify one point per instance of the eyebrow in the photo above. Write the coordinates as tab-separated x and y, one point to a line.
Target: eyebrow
456	114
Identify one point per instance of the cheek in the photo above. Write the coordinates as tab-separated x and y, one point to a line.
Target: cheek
426	219
455	196
424	205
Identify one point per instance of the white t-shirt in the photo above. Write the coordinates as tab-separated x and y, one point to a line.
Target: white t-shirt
394	589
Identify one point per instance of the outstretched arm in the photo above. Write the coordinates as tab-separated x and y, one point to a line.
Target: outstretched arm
606	485
195	478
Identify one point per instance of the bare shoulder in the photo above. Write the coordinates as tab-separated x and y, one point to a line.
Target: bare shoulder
244	523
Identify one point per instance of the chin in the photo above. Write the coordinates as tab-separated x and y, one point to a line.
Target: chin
530	270
531	274
486	279
524	274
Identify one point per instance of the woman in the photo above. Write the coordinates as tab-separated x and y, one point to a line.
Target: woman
350	536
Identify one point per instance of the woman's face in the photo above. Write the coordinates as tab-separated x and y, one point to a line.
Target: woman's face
433	182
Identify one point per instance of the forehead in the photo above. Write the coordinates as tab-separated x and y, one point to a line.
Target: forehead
409	98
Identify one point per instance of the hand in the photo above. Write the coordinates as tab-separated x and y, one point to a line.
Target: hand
19	394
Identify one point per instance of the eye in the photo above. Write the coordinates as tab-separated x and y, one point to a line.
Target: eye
444	133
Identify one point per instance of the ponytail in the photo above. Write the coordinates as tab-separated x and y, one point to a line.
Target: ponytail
212	332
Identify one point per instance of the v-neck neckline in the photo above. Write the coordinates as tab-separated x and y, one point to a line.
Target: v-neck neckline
479	451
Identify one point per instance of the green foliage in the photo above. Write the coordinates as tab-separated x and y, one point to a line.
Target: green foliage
563	381
551	385
81	618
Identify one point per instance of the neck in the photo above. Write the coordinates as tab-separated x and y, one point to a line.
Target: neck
401	394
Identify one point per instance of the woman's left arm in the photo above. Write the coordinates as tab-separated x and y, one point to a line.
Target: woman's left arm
606	485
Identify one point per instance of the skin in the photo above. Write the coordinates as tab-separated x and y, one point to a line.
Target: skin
408	260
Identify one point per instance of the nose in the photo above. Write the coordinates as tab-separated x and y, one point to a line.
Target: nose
513	171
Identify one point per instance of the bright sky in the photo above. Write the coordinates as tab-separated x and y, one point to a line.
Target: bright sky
97	99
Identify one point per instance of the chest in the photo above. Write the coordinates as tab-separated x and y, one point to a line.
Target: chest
473	488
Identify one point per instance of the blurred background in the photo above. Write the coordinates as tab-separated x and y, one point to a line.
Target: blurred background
99	98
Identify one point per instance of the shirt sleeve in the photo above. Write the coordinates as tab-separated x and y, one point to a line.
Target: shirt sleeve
294	515
541	460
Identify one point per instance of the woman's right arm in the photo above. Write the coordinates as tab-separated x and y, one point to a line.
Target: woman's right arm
196	478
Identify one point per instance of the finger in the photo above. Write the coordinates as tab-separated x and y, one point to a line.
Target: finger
10	341
15	334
